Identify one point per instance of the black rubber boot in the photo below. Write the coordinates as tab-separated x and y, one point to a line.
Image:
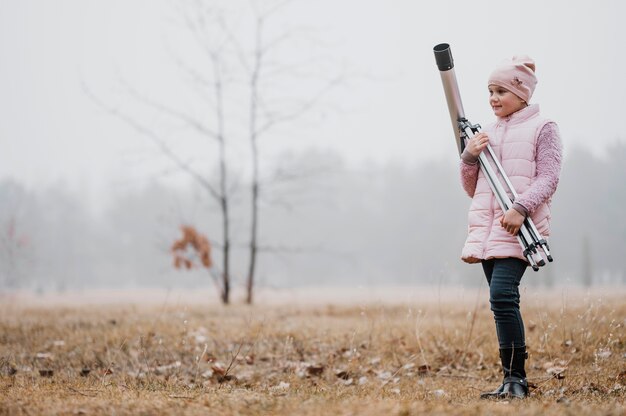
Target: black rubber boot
505	359
514	384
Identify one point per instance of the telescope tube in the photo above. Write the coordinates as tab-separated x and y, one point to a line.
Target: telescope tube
445	63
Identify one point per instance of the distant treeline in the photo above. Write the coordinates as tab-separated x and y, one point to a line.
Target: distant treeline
323	224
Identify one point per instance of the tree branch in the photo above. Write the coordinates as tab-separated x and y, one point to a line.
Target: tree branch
195	124
306	106
155	138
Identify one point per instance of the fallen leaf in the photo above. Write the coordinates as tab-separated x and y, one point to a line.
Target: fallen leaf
280	386
344	375
200	339
315	370
563	400
226	378
423	369
218	369
557	372
438	393
384	375
164	368
46	373
44	356
7	370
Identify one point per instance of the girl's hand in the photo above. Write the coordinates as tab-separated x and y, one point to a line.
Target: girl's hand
512	221
476	144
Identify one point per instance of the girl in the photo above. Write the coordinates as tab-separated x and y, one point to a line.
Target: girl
529	149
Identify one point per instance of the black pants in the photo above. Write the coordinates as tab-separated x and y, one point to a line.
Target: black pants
503	277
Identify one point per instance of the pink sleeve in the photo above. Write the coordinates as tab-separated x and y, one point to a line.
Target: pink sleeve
549	154
469	176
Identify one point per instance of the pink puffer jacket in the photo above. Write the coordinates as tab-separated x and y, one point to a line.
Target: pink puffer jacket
514	141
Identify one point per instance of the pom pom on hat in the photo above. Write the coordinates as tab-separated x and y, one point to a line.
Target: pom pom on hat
516	75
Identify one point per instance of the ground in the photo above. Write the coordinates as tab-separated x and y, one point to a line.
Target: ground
307	355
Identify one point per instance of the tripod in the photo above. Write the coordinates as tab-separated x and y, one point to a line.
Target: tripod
528	236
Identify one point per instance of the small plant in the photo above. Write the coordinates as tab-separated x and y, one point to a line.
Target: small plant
192	248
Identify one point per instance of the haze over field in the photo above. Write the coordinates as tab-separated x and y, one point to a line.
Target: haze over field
361	188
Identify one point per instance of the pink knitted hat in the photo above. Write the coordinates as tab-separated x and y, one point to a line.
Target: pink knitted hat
516	75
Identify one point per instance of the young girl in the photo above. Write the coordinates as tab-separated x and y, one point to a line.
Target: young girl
529	149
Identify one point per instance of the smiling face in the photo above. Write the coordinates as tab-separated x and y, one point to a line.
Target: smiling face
504	102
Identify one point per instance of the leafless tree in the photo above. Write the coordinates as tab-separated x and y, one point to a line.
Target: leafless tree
235	59
212	129
258	60
262	118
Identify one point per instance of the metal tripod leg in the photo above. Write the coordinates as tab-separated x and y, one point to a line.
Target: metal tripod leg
537	238
524	237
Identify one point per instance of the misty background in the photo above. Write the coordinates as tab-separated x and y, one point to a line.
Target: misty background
361	188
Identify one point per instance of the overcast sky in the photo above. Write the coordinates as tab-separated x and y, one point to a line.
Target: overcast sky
51	132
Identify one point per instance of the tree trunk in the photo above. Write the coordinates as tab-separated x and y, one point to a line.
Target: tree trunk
223	185
225	295
586	269
253	244
255	164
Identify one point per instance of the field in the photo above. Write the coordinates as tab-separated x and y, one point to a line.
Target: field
407	353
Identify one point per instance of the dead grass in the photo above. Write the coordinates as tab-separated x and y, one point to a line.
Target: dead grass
429	356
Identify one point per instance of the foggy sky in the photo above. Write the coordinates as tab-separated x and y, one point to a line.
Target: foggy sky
393	107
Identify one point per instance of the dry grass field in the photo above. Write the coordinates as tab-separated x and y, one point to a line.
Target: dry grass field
428	355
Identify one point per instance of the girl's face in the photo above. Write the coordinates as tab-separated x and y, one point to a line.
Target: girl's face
504	102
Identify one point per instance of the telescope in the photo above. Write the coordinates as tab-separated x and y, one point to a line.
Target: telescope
529	238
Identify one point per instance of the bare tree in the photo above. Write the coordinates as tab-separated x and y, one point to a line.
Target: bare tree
260	66
235	60
212	129
262	119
